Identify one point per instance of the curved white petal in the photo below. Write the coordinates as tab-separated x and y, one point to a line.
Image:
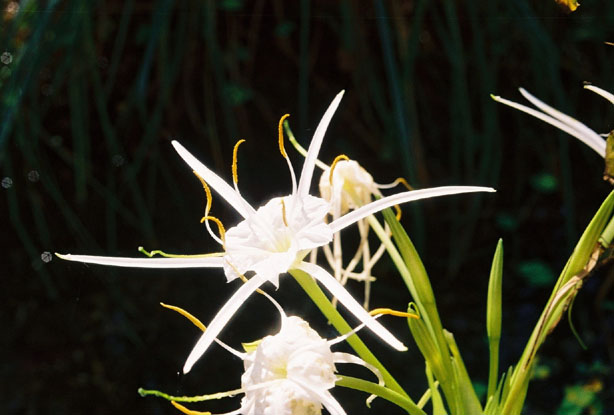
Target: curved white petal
314	148
233	198
404	197
204	262
345	298
593	140
222	317
572	122
605	94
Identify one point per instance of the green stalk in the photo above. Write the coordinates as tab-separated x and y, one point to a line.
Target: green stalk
381	391
493	318
320	299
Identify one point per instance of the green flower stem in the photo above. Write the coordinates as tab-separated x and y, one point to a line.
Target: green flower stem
320	299
381	391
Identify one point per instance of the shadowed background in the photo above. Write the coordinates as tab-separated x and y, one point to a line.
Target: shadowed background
92	93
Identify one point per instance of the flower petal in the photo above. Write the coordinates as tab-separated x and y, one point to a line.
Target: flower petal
233	198
200	262
404	197
329	402
314	148
592	140
222	318
566	119
345	298
605	94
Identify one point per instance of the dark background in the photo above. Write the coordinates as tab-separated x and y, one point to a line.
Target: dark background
91	93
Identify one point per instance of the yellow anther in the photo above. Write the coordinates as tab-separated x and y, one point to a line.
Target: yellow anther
280	131
332	166
218	222
391	312
404	183
283	213
188	411
187	315
235	176
398	209
207	192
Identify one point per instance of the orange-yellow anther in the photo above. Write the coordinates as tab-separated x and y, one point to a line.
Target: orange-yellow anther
332	166
207	192
280	131
398	209
283	213
218	222
391	312
188	411
404	183
235	176
187	315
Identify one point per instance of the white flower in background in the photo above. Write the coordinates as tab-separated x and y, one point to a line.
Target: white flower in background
275	238
561	121
289	373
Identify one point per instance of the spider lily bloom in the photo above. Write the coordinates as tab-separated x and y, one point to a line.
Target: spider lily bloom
561	121
347	186
290	372
276	237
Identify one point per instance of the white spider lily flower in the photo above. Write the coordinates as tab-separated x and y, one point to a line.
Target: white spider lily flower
275	238
347	182
562	121
288	373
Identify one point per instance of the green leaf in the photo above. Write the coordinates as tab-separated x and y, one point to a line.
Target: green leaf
493	317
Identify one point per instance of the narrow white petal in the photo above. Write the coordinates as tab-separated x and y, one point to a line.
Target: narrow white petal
592	139
205	262
572	122
404	197
221	319
345	298
314	148
216	182
341	357
607	95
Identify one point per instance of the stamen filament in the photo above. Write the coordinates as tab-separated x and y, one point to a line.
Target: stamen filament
218	223
187	315
332	166
391	312
235	176
155	252
398	180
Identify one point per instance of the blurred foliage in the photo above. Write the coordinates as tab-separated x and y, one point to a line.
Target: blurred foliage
91	93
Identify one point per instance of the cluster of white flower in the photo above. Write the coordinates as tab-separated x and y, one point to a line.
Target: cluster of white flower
292	371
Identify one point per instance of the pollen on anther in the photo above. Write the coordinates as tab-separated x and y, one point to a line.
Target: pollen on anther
207	193
283	213
280	131
391	312
187	315
334	164
404	183
235	176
